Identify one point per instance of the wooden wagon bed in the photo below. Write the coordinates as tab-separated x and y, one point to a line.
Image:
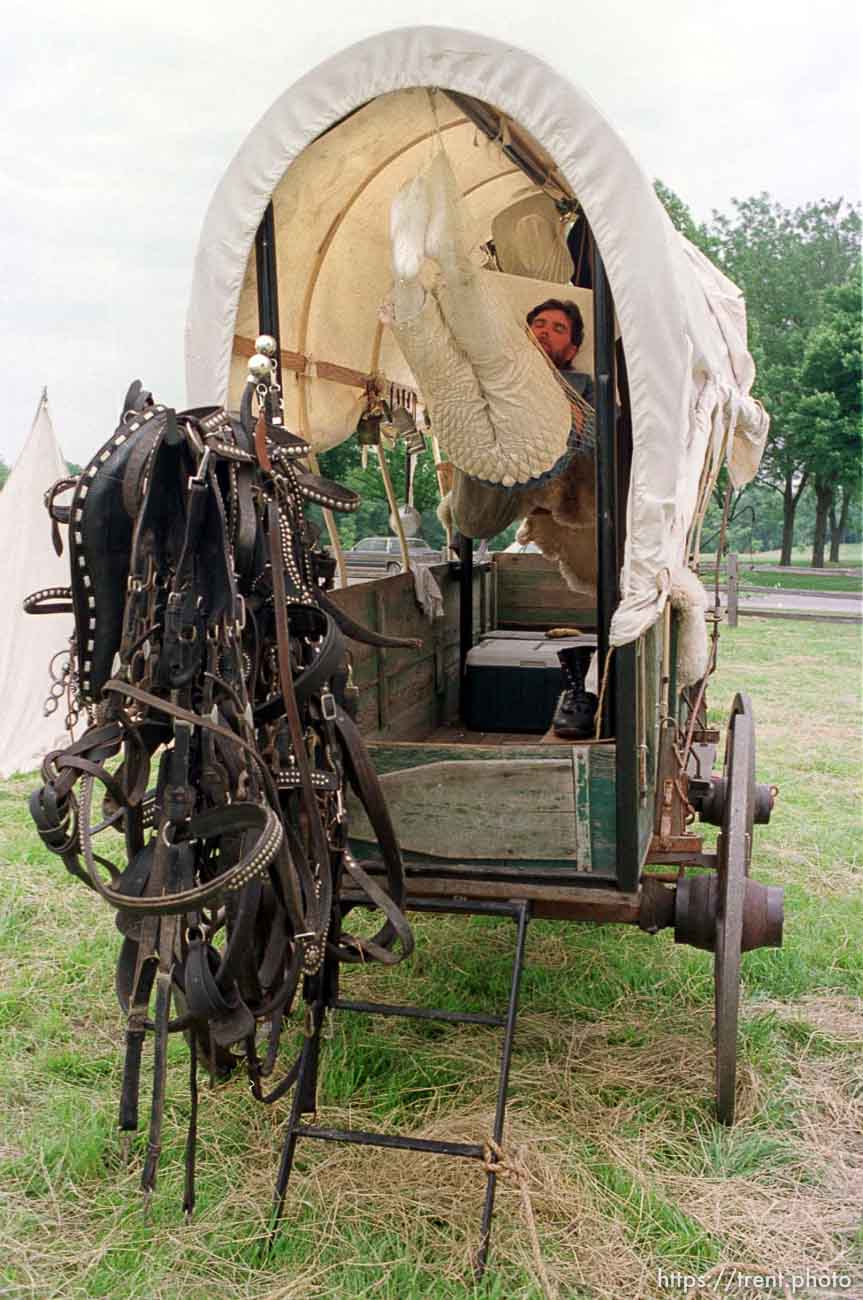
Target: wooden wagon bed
483	806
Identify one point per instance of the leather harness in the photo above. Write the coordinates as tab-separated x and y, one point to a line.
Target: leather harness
205	647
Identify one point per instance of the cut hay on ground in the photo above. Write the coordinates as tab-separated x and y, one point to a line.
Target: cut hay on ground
611	1111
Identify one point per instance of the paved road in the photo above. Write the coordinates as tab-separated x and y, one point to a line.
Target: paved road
806	604
799	568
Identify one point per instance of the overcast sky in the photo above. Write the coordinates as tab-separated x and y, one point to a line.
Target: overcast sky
117	123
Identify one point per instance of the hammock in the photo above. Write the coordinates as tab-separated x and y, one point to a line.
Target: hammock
497	406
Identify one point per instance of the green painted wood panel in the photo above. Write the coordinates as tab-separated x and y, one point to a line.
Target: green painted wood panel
504	808
649	673
581	772
518	805
638	669
626	705
603	810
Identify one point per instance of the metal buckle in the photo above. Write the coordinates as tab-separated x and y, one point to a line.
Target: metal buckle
198	478
328	706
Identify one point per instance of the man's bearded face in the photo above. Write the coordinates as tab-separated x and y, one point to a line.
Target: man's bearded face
553	332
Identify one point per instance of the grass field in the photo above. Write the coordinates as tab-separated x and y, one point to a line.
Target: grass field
611	1090
784	581
850	556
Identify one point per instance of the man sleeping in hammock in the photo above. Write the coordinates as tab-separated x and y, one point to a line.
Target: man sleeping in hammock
558	328
508	404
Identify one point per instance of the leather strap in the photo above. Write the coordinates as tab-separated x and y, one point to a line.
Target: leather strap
324	492
329	656
50	600
364	635
136	466
365	781
318	914
397	923
229	1018
234	817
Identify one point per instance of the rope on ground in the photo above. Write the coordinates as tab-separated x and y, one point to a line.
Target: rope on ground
496	1161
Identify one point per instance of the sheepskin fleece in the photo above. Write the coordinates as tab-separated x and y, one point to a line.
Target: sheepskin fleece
689	599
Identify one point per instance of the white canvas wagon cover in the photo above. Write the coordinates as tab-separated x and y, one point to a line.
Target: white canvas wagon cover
682	322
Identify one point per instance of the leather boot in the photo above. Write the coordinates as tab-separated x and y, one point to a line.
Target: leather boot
575	713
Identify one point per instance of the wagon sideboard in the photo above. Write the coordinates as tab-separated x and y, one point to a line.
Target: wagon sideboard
500	804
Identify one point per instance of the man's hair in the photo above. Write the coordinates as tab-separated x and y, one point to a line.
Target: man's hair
570	310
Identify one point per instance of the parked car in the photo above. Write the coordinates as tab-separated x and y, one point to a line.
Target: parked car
385	553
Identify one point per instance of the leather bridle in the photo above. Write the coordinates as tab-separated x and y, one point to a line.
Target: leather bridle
205	647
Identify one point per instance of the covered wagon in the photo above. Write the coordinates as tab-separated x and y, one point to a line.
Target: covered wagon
366	267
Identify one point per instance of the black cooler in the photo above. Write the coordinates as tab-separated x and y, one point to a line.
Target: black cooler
514	679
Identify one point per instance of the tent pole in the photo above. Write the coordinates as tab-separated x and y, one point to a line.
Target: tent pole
606	474
396	520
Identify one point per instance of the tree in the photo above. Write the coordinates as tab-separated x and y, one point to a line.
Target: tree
783	465
828	415
849	497
683	220
4	472
784	261
344	464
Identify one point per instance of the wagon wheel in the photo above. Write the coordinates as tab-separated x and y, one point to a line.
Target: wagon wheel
735	851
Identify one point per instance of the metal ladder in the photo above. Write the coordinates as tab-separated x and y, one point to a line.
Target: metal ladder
305	1099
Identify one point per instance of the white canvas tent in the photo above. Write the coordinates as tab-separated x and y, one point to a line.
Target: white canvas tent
28	563
331	153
